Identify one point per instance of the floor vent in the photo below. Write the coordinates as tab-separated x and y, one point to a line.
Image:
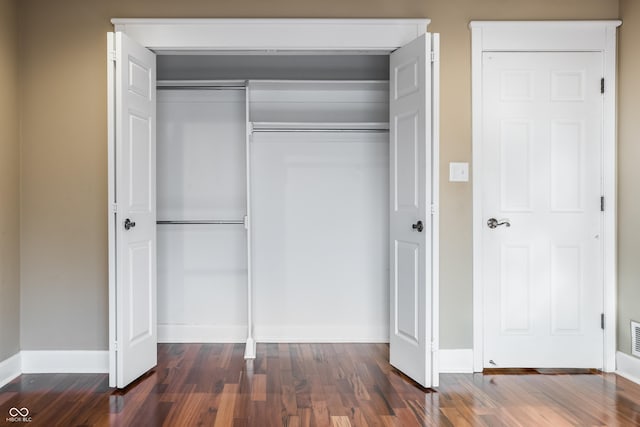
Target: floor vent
635	338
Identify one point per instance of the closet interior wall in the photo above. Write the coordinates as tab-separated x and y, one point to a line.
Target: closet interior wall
318	173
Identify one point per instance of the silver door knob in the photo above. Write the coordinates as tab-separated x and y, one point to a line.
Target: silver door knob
495	223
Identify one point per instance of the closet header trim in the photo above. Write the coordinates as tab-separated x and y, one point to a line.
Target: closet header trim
309	35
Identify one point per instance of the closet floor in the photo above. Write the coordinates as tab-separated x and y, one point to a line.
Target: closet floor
315	385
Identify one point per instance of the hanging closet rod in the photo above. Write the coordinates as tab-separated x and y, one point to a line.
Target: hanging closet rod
202	221
319	126
202	84
319	130
186	87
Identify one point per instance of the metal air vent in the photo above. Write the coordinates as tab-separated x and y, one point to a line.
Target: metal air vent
635	339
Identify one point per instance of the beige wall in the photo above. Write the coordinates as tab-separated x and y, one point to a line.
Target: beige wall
628	172
63	64
9	182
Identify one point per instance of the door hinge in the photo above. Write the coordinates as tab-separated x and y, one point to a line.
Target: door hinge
249	128
115	345
246	222
114	208
434	346
602	321
601	203
602	85
111	55
434	209
433	56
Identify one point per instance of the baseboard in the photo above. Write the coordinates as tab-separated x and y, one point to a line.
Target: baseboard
35	362
456	361
321	334
76	362
628	367
10	368
201	334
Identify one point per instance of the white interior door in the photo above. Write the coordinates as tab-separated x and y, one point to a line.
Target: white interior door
133	346
542	264
413	191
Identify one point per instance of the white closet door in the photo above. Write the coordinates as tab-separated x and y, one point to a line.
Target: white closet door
413	231
133	346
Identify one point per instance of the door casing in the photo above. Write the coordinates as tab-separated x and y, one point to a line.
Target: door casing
373	36
548	36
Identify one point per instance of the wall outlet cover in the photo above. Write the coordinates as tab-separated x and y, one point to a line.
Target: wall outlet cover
458	172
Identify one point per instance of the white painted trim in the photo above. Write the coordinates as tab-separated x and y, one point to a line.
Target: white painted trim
272	34
201	334
609	188
75	362
597	36
456	361
435	218
476	152
518	36
321	334
10	368
628	367
111	173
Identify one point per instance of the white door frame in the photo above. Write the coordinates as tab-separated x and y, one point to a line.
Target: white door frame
548	36
354	36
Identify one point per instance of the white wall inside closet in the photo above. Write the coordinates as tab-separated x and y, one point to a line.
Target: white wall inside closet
202	268
320	194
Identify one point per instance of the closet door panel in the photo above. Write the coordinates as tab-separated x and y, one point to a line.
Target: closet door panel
320	232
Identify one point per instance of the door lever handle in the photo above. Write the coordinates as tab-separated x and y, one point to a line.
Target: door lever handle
128	224
418	226
494	223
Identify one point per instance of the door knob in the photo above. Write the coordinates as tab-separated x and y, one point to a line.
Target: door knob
418	226
494	223
128	224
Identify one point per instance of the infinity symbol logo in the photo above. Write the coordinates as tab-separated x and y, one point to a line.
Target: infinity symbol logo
14	412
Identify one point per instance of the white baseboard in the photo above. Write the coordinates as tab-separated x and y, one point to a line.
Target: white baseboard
322	334
35	362
628	367
10	368
201	334
456	361
54	362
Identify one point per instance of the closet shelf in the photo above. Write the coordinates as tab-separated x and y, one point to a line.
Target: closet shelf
320	126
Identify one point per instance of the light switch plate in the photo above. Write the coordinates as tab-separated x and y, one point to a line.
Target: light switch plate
458	172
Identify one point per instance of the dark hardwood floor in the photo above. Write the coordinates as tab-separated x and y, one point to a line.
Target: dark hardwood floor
315	385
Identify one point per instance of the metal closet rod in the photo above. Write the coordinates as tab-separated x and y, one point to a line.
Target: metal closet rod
207	87
202	84
280	130
203	221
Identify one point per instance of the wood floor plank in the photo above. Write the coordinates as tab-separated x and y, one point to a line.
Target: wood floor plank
315	385
340	421
224	415
259	387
